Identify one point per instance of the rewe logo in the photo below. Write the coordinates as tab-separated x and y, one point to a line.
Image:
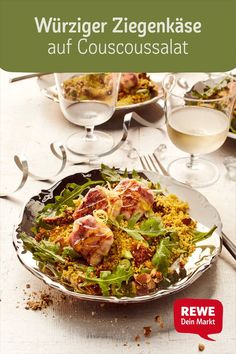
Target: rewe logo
199	316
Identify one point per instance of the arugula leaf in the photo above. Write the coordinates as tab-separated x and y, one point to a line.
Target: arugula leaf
118	220
135	175
65	199
160	260
50	267
43	251
133	220
107	278
164	250
113	175
152	227
110	174
135	234
127	254
200	236
70	252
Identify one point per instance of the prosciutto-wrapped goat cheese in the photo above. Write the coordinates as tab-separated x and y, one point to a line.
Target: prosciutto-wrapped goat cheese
136	197
91	238
99	198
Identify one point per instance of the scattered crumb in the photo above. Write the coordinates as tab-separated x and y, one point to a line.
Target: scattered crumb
116	320
201	347
147	331
102	305
159	320
125	344
138	344
137	338
38	302
93	313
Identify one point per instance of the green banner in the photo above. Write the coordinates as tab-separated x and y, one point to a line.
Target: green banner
124	35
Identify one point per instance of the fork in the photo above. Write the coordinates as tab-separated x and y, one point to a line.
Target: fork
151	162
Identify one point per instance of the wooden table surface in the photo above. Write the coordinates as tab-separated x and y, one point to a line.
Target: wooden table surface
29	122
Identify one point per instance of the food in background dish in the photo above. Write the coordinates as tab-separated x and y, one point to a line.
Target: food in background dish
134	88
213	89
138	249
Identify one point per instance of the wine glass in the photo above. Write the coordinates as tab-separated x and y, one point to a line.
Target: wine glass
88	99
198	112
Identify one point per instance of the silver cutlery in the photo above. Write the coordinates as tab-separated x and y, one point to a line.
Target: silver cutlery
27	76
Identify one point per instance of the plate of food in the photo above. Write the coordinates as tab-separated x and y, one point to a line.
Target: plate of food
136	89
118	236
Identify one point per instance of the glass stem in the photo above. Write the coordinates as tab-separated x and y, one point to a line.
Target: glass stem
89	135
192	158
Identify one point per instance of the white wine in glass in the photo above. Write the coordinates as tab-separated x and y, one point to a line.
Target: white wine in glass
198	120
197	130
